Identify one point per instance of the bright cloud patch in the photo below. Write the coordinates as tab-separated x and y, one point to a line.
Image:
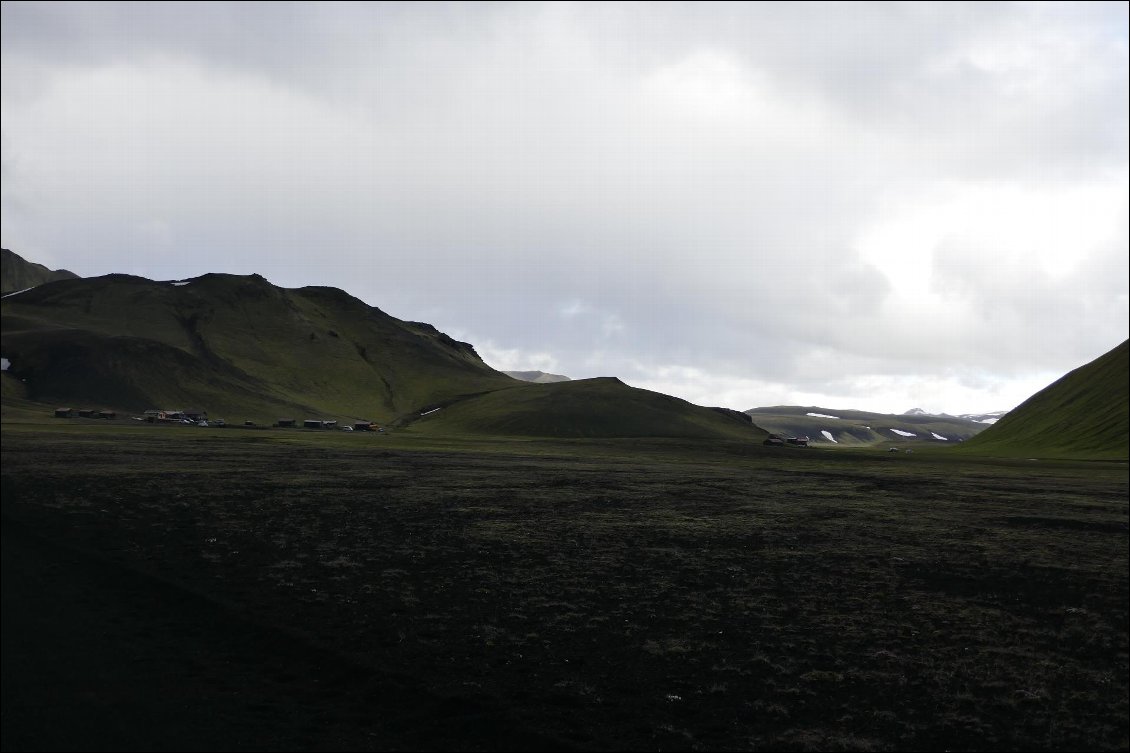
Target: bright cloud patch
902	433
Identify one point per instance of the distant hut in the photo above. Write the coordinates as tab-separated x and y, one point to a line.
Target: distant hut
773	441
64	412
287	423
312	423
86	412
364	426
107	414
195	414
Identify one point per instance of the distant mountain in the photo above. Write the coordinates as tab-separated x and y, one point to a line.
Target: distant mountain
17	273
540	377
981	418
984	418
1084	414
853	427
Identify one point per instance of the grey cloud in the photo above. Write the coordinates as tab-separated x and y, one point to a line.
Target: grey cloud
701	177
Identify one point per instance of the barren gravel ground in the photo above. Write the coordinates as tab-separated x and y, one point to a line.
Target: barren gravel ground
174	590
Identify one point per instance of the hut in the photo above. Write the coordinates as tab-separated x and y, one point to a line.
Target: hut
64	412
86	413
287	423
107	414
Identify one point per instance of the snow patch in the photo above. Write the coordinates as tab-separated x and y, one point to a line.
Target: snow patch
988	421
902	433
179	283
17	292
939	436
428	413
822	415
828	435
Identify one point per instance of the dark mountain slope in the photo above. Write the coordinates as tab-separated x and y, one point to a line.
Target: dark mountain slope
17	273
593	408
233	344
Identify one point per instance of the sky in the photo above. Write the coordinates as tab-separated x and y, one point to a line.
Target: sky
876	206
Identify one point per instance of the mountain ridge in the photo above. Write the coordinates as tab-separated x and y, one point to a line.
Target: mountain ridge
240	347
17	273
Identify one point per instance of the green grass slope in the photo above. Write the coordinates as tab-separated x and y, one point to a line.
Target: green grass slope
232	345
1085	414
585	408
853	428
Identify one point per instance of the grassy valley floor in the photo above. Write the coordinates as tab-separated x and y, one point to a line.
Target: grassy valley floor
170	589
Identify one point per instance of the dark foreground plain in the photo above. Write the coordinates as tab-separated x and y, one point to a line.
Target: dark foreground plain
174	589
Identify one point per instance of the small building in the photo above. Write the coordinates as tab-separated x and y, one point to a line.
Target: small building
365	426
86	413
287	423
798	441
64	412
195	415
774	441
312	423
107	414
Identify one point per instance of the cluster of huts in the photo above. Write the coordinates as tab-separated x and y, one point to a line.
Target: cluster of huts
776	440
322	423
200	418
84	413
155	416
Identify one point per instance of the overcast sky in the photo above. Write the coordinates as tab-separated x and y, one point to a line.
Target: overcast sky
874	206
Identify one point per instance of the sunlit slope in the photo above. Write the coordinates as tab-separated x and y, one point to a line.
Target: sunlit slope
861	428
1085	414
593	408
230	344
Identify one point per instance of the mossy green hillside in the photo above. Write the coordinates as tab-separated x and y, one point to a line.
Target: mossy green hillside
586	408
232	345
1085	414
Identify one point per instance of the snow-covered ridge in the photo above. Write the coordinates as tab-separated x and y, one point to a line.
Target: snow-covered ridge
822	415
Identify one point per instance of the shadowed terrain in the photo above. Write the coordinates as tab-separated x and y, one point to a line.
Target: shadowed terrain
231	589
